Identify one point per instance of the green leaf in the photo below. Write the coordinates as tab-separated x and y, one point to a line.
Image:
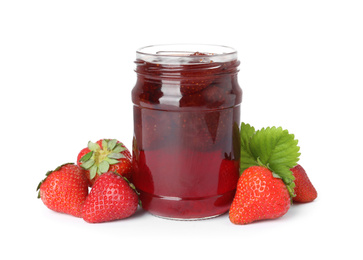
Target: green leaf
93	146
103	166
116	156
88	164
111	144
93	171
86	157
278	150
276	147
246	158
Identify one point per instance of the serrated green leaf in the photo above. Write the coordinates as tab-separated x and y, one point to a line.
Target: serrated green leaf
93	171
111	144
86	157
103	166
87	165
277	149
246	158
246	161
116	156
247	131
93	146
119	148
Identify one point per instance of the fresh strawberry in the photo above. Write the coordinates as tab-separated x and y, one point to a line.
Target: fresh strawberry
103	156
111	198
259	196
266	185
65	189
304	189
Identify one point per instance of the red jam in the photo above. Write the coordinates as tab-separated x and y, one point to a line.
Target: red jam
186	139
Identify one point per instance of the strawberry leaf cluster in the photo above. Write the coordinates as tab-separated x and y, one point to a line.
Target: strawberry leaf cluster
272	147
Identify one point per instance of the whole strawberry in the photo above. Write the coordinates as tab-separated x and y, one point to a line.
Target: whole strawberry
65	189
304	189
266	184
111	198
259	196
103	156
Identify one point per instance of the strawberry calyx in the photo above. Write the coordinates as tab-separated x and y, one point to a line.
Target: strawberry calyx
99	159
132	186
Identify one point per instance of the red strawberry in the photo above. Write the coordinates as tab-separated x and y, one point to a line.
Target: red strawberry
65	189
304	189
259	196
111	198
103	156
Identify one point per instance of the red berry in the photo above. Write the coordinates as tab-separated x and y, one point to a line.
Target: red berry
304	189
65	189
259	196
111	198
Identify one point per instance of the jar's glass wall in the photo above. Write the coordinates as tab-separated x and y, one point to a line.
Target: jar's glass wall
186	118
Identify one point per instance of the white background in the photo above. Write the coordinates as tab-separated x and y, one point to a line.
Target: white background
66	73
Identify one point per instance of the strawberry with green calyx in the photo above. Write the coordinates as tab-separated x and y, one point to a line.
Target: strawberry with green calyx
266	185
65	189
272	147
112	197
259	196
103	156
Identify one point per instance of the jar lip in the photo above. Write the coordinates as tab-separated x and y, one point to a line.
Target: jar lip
186	53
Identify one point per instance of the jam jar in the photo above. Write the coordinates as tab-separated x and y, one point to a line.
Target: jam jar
186	129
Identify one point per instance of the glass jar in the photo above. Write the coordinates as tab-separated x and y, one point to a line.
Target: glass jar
186	136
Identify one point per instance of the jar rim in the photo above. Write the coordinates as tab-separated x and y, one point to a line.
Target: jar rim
186	53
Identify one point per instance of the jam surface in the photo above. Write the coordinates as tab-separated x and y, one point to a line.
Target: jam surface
186	140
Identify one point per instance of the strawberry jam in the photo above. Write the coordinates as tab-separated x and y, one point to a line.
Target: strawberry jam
186	138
